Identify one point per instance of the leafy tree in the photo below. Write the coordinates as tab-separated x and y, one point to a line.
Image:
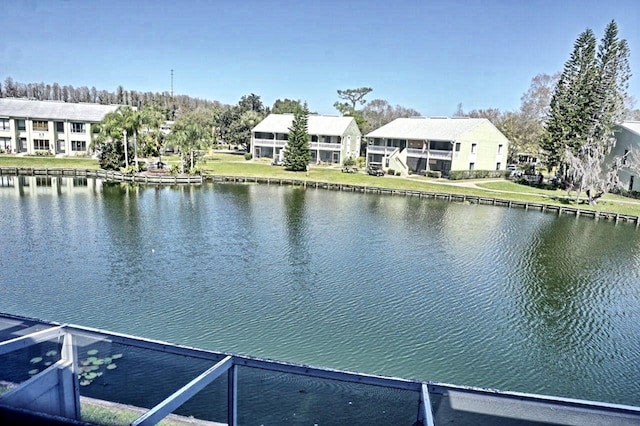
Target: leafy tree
286	106
191	132
296	153
251	102
234	124
588	100
151	119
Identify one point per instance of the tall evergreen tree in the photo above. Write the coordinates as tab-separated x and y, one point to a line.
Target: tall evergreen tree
589	98
297	154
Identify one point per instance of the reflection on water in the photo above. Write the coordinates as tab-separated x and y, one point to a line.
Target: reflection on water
459	293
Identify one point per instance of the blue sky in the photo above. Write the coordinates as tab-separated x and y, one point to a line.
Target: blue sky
427	55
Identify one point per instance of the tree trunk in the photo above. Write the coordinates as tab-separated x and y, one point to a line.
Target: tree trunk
126	151
135	149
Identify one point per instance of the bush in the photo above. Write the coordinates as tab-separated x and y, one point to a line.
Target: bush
398	173
174	169
433	173
349	161
130	170
247	156
43	153
478	174
391	172
361	162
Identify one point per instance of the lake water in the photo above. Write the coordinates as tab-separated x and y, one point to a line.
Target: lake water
457	293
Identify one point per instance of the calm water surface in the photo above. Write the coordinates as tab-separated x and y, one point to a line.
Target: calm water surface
465	294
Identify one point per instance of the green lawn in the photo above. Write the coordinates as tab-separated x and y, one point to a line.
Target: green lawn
235	165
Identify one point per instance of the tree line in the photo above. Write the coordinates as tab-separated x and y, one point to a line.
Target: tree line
172	106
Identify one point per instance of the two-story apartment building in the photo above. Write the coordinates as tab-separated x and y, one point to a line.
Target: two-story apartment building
439	144
29	127
332	138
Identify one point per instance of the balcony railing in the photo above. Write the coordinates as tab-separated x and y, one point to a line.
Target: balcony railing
66	363
437	154
270	142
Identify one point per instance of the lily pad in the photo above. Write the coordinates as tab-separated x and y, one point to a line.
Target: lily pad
116	356
85	382
90	376
52	353
34	371
107	360
48	363
92	359
112	366
35	360
92	352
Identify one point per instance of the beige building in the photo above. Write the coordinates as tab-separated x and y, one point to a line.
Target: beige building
438	144
332	138
58	128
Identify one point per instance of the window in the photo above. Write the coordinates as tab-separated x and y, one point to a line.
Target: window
41	126
624	157
22	125
472	166
78	145
4	124
61	145
457	146
498	166
41	144
500	149
59	127
77	127
474	148
23	144
5	143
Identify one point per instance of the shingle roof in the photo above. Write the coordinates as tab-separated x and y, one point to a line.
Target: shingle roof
632	126
446	129
317	124
51	110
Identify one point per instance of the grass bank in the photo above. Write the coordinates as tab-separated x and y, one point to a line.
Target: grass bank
235	165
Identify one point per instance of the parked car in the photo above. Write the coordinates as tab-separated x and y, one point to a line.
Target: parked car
375	171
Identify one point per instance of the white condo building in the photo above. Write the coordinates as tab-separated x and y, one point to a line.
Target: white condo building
59	128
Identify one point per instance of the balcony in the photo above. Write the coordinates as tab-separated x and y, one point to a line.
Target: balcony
436	154
326	146
269	142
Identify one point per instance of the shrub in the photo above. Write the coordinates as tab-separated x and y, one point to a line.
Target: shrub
349	161
433	173
247	156
477	174
131	169
391	172
174	169
361	162
398	173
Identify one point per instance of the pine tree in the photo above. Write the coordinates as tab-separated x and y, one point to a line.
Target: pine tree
589	98
297	154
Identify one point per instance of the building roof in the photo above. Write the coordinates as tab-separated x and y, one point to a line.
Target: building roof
632	126
317	124
422	128
53	110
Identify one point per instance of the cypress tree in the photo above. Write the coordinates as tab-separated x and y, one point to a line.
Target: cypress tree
297	154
